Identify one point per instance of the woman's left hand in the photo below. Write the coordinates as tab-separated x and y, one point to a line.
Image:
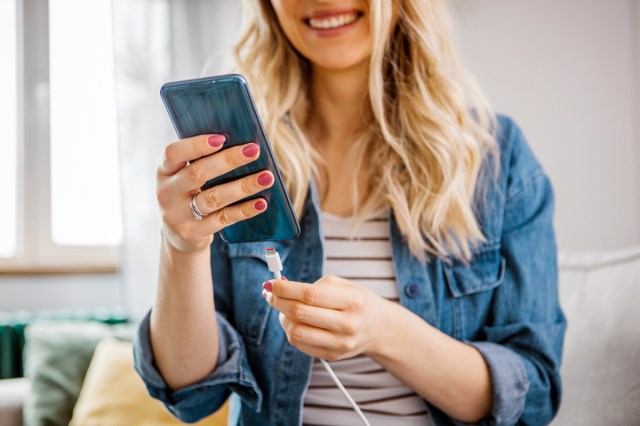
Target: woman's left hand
332	319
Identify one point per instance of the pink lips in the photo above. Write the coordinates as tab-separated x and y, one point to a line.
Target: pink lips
318	14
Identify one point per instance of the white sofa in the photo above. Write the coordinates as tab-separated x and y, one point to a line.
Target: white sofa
13	392
600	294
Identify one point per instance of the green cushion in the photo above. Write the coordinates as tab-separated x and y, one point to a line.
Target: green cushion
57	356
13	324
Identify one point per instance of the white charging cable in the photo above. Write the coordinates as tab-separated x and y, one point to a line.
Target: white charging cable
275	266
273	262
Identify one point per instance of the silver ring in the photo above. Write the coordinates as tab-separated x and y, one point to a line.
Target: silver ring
197	213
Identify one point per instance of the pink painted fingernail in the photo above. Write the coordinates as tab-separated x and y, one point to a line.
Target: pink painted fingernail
250	150
267	286
260	205
216	140
265	294
265	179
285	279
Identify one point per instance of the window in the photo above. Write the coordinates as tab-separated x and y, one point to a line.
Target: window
9	124
60	167
84	164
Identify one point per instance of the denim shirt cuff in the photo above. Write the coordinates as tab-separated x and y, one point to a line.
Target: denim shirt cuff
509	380
193	402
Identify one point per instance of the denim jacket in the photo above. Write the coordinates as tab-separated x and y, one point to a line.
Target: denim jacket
504	303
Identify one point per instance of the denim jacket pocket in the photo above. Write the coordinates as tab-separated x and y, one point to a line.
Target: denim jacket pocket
249	270
472	287
485	272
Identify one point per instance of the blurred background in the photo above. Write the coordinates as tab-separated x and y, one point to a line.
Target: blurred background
83	129
84	126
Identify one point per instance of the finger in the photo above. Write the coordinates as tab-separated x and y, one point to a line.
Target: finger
232	214
199	172
326	296
315	340
329	319
219	196
177	154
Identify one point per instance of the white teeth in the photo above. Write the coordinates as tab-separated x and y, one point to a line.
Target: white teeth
333	21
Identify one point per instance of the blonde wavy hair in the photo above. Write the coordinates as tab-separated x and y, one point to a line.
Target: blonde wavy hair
429	130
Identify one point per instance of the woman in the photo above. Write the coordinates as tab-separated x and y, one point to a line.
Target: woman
426	233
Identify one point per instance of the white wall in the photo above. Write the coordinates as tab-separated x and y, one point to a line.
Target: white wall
568	72
33	293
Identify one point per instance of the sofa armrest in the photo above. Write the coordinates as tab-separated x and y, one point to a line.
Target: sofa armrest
13	393
600	295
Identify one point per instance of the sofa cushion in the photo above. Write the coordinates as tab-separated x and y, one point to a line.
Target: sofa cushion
600	295
113	394
57	356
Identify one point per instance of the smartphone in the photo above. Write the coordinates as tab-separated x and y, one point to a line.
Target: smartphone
223	105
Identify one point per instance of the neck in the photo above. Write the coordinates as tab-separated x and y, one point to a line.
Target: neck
338	106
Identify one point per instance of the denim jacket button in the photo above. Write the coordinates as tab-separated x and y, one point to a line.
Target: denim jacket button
412	290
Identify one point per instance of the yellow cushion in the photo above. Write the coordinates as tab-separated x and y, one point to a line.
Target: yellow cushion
113	394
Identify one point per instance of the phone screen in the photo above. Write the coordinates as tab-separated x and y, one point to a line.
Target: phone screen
223	105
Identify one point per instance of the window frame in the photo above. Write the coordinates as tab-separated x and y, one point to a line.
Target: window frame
36	251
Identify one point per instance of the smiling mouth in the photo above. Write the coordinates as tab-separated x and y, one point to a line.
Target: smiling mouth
334	21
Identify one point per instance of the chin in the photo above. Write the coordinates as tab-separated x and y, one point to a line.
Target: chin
340	61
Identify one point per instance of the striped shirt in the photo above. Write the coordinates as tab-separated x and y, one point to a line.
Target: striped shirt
362	256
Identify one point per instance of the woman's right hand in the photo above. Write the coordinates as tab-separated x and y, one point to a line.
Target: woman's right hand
178	181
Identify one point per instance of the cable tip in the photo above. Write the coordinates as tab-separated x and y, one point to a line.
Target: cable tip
271	251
